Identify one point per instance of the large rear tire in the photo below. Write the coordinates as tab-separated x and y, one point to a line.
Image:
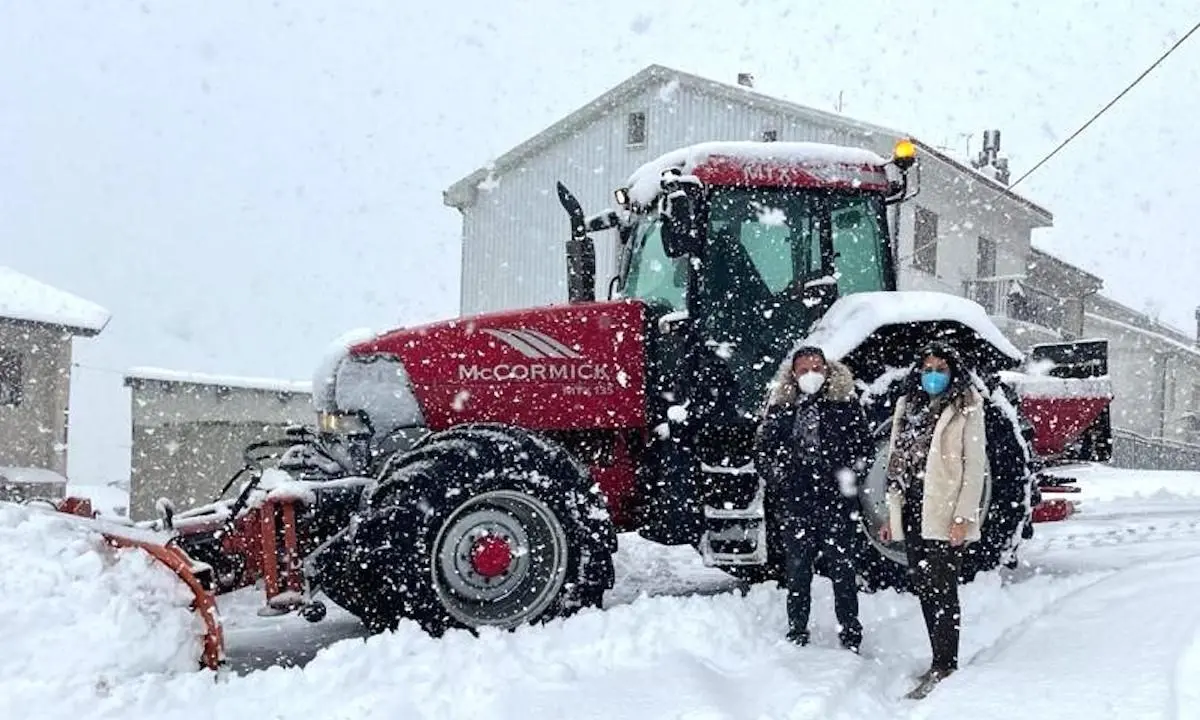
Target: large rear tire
481	525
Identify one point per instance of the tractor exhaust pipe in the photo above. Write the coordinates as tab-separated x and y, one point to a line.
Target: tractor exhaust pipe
581	252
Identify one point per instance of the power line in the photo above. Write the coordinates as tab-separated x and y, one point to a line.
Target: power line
1082	127
1110	103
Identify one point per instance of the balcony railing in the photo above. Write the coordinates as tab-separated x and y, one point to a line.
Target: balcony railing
1014	298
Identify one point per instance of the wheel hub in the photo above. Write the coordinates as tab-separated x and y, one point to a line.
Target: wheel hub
491	556
500	559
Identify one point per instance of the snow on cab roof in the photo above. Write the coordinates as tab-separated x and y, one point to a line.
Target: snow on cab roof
644	182
852	318
23	298
230	381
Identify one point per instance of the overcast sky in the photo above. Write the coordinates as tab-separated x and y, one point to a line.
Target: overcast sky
240	182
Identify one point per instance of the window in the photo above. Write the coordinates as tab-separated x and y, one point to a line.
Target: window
925	238
770	135
652	275
985	258
12	378
635	129
769	248
857	244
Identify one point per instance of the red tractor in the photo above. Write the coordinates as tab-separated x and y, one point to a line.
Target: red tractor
477	471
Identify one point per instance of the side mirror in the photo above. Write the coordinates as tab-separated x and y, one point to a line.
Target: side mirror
681	227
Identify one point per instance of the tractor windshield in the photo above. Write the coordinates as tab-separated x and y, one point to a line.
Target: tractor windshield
766	242
767	248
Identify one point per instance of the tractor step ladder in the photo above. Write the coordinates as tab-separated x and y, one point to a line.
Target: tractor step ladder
743	525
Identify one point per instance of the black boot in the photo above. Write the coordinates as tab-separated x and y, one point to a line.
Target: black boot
927	682
851	639
798	637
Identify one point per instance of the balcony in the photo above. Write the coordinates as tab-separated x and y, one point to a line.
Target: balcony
1015	302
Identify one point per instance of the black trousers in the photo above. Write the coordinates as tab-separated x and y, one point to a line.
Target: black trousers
802	543
933	567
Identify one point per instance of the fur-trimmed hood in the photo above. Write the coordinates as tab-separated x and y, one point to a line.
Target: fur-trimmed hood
839	385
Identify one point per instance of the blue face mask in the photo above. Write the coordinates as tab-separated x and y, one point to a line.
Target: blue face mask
935	382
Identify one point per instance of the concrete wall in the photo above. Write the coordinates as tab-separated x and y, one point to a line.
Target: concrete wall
34	433
188	437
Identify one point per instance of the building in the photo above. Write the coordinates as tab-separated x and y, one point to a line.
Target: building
189	431
1155	371
38	324
1044	303
514	229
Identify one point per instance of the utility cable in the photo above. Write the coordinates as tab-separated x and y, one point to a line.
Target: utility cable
1108	106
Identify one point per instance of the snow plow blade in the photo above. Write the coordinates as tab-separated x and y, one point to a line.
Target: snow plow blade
196	576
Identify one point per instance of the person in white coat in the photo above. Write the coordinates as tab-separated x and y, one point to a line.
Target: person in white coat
936	473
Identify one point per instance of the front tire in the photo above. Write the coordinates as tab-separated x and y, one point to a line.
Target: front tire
481	525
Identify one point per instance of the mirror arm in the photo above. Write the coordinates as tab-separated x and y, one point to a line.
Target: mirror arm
602	221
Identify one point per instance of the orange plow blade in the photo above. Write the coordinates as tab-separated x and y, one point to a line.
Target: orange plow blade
204	602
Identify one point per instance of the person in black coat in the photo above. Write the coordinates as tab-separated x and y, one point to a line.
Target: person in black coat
813	448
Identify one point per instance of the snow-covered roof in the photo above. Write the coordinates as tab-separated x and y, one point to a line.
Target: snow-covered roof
645	181
461	194
853	318
30	476
30	300
231	381
1192	350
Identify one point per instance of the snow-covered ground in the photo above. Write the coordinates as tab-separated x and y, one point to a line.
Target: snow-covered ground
1099	621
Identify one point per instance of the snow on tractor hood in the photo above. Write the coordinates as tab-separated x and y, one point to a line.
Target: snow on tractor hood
853	319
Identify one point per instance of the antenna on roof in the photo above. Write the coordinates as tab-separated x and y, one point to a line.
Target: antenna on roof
989	159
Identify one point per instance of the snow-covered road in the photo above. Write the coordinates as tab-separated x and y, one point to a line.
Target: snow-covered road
1099	621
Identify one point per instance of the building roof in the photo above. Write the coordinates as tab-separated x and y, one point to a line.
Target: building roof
143	374
460	194
1157	335
1037	255
23	298
1107	310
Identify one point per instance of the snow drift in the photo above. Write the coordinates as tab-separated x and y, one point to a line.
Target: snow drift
78	617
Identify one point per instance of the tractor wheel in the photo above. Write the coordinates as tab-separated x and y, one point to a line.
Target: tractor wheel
1006	507
481	525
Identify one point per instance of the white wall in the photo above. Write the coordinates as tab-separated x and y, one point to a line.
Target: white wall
1154	379
966	210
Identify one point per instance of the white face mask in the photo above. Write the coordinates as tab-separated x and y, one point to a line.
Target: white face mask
810	382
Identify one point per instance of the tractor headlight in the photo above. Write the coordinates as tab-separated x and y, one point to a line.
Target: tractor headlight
342	423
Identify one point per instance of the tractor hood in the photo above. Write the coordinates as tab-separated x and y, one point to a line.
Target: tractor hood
559	367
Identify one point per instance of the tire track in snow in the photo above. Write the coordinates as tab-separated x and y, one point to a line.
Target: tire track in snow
1151	532
1104	643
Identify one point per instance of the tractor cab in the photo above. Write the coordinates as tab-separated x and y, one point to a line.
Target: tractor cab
737	248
